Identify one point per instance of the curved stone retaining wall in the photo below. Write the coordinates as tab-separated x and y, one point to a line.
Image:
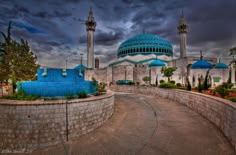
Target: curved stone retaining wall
28	125
219	111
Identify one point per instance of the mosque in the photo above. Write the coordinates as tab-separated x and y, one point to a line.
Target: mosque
145	54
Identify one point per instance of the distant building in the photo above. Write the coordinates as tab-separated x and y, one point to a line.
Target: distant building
97	63
145	55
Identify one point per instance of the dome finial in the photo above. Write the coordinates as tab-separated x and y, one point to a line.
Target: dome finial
182	13
91	10
144	31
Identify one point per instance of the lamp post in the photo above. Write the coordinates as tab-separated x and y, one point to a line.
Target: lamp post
69	56
81	58
81	63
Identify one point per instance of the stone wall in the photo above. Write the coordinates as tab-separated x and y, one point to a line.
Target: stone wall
221	112
28	125
140	71
122	72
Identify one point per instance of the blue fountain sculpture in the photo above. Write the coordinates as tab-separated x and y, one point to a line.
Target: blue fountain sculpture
53	82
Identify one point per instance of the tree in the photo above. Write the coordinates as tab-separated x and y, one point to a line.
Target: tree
188	85
4	65
146	79
232	51
168	72
206	85
7	40
19	62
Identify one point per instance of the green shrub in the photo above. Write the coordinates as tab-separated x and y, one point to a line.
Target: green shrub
101	87
167	85
94	82
82	94
172	81
233	99
20	95
178	85
222	91
227	85
162	81
131	83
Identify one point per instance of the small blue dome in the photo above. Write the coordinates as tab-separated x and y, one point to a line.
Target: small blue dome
156	63
221	65
201	64
80	66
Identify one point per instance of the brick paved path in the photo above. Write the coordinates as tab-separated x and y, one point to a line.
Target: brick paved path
149	125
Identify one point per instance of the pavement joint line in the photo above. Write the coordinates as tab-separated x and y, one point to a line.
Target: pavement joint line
154	130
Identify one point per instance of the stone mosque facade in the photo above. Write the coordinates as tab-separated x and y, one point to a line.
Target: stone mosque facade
145	54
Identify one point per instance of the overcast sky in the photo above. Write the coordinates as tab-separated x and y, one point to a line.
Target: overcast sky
55	29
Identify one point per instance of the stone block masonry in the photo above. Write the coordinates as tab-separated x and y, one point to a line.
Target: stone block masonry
221	112
29	125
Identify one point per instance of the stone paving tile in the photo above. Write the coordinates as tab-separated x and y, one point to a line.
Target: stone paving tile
149	125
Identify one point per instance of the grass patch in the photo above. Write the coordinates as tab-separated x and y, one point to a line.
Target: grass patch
20	95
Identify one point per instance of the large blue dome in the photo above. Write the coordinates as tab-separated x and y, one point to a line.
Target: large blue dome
145	44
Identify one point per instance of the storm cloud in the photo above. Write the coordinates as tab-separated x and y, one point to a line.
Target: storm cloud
56	31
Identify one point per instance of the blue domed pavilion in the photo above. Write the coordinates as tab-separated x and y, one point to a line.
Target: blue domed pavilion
201	64
221	65
157	63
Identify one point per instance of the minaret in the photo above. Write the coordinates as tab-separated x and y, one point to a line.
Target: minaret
183	27
90	25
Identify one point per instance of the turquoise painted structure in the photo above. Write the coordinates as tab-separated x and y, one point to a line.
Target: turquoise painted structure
157	63
123	82
53	82
145	44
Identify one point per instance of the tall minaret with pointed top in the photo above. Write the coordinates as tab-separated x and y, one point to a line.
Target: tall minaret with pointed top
90	25
182	28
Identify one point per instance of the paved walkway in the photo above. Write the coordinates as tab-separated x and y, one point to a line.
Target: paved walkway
150	125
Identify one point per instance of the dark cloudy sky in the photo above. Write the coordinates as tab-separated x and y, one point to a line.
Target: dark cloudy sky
55	29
